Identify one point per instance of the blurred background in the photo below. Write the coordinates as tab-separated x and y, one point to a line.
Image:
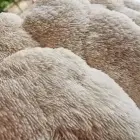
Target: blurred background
14	6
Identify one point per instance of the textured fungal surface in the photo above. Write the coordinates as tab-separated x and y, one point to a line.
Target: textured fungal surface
12	36
53	94
107	39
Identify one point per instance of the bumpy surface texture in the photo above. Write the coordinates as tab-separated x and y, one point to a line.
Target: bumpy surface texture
52	94
128	7
107	40
12	36
133	4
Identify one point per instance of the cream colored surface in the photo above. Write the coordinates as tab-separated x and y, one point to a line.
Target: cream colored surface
108	40
53	94
12	36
